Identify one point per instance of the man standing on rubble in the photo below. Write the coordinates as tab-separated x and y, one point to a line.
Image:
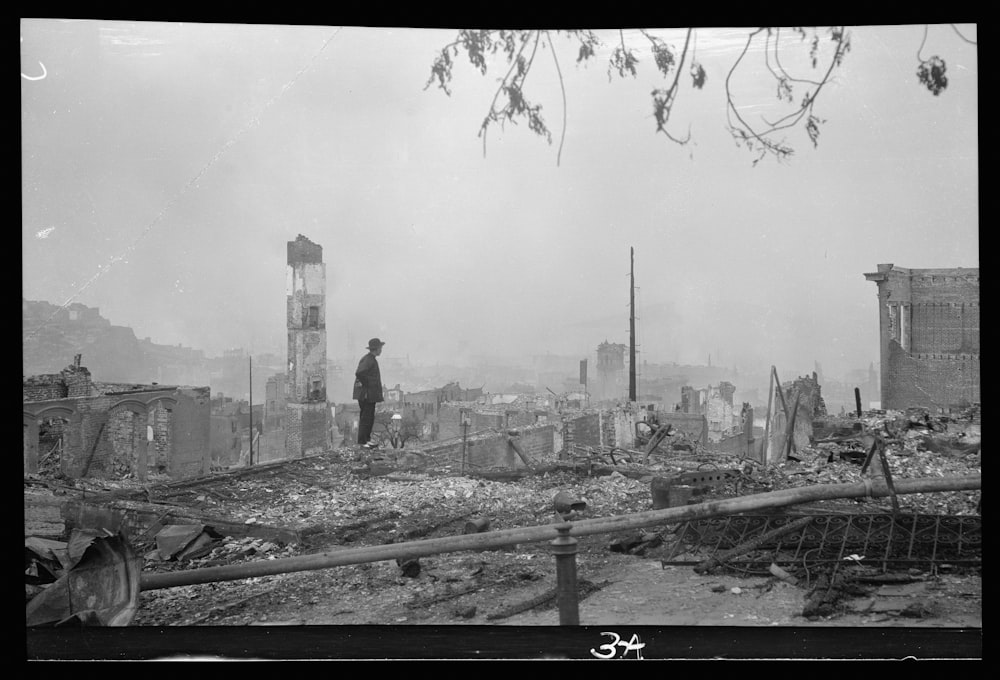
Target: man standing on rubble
368	392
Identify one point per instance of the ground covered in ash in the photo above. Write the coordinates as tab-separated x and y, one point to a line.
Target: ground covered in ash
347	499
335	501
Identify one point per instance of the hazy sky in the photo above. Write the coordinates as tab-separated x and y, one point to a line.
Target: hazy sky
166	165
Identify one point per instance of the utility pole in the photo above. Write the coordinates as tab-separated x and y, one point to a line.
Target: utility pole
251	409
631	327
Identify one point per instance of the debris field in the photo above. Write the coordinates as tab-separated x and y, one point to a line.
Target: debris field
346	499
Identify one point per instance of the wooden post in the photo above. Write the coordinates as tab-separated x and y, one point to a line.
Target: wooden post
519	451
767	420
790	430
781	394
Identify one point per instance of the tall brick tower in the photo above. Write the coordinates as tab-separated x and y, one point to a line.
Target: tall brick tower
305	388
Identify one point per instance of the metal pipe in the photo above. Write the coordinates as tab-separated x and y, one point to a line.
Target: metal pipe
547	532
564	548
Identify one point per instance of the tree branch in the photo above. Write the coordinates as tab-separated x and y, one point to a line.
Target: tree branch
959	33
744	132
663	101
785	73
562	88
492	114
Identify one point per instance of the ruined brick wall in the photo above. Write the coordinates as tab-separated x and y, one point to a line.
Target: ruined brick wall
486	421
449	421
86	450
42	387
270	446
609	430
106	436
929	336
29	441
491	450
933	381
521	418
689	400
305	429
693	425
159	419
944	327
125	433
190	433
618	426
719	413
582	429
314	429
293	430
72	382
78	383
811	407
225	440
741	443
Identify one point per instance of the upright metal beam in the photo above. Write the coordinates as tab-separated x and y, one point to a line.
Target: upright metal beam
564	547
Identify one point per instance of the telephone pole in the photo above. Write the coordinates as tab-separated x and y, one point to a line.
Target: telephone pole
250	367
631	327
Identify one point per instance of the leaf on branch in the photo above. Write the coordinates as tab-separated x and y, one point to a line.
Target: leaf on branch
663	57
931	73
623	60
844	46
522	67
812	127
697	75
784	89
537	125
476	43
760	145
588	43
441	71
508	42
663	101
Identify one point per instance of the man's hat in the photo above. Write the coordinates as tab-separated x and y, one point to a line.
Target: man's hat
375	343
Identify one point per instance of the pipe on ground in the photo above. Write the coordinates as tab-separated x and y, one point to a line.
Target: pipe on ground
549	532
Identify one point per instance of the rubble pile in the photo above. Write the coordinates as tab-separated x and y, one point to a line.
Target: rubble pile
917	445
322	500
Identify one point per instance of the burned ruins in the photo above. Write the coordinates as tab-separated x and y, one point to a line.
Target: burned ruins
164	506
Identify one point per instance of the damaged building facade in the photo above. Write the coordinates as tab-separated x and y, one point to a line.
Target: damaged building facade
80	428
307	415
795	407
715	402
612	377
929	328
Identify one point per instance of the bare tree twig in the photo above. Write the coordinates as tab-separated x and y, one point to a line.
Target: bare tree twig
562	88
959	33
